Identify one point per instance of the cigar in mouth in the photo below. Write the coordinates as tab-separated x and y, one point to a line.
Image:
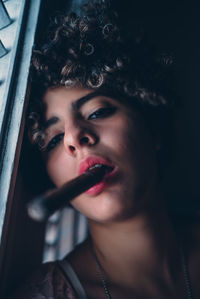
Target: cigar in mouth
43	206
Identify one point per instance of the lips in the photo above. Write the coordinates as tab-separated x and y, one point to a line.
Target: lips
91	161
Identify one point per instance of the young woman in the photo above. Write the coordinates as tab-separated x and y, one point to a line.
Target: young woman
99	97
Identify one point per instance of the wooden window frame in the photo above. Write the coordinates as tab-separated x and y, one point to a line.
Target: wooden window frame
13	94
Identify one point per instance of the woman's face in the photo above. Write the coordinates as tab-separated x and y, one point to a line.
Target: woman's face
82	131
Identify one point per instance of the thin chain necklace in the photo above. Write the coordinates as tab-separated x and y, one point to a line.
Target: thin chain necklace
185	272
100	272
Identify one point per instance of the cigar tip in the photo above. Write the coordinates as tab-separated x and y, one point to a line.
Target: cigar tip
36	210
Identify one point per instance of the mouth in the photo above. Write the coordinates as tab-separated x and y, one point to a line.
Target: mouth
106	167
95	161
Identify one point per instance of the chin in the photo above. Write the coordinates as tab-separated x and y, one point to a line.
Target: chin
105	208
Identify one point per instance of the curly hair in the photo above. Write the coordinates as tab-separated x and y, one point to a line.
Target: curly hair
92	51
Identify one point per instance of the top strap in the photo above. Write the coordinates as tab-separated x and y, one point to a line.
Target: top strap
73	278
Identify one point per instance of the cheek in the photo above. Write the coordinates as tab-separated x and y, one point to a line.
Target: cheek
115	134
59	168
132	144
121	138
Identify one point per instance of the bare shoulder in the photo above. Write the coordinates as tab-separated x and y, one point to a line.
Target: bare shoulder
81	260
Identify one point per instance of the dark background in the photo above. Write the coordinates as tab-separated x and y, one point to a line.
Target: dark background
174	26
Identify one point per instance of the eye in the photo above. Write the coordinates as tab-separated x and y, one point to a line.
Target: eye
102	112
54	142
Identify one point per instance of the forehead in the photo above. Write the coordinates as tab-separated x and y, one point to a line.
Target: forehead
58	100
54	96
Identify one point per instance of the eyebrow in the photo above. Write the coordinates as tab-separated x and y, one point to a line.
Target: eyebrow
53	120
75	107
80	102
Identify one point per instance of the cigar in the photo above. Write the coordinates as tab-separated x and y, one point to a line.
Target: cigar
43	206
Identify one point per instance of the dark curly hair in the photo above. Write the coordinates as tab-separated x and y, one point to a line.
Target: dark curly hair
92	51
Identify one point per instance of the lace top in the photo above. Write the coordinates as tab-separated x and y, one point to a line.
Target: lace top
54	280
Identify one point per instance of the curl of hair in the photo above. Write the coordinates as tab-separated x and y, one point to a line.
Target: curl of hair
92	51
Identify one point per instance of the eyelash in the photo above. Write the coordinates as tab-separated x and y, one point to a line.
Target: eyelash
102	112
99	113
54	142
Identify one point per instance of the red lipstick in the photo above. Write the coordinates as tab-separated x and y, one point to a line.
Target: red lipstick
94	160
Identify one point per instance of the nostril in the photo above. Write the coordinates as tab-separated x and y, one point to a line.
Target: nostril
84	139
72	148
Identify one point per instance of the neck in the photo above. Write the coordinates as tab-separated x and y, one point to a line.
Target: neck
145	243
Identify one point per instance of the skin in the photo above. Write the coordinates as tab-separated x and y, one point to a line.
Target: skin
130	229
121	138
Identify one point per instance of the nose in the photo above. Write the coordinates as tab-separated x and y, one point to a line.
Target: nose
76	138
